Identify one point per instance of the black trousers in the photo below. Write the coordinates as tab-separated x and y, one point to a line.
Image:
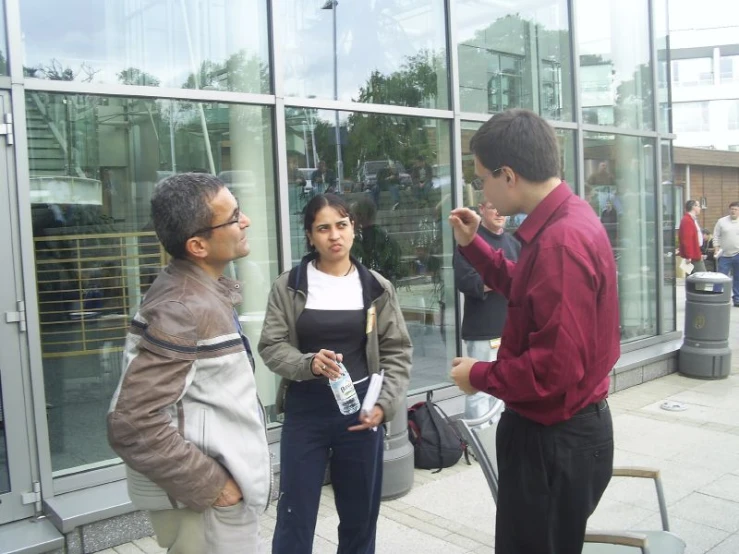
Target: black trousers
551	480
315	434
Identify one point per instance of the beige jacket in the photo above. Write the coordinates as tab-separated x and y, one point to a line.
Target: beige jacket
185	414
388	343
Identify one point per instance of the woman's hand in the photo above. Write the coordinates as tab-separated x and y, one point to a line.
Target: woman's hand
369	421
324	364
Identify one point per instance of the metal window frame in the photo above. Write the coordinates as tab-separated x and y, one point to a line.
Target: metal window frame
19	85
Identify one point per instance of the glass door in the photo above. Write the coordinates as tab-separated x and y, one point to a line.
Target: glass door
16	486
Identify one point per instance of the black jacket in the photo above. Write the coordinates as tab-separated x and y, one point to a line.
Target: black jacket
484	312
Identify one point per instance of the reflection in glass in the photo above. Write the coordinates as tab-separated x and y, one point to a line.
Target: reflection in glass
4	466
671	203
661	37
615	73
620	187
400	190
94	163
374	52
201	44
3	41
471	188
515	57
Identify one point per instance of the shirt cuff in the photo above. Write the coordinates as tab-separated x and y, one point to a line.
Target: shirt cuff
478	375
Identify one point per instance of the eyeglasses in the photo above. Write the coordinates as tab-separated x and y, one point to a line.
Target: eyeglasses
235	218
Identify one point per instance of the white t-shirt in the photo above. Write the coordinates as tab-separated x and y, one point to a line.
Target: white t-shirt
327	292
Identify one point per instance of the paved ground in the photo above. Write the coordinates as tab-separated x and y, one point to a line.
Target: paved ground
696	449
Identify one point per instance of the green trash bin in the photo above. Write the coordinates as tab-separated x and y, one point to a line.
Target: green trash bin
705	352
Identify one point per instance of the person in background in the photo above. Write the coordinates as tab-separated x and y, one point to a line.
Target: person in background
185	417
484	309
323	179
331	309
690	237
374	247
560	340
726	248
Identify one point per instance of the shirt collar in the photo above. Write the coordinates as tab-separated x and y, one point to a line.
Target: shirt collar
536	220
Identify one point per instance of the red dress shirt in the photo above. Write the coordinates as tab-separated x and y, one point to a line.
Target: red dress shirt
561	337
688	237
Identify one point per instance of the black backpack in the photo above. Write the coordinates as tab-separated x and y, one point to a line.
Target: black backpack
436	443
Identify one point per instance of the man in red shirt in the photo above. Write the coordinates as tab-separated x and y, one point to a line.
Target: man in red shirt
560	340
691	237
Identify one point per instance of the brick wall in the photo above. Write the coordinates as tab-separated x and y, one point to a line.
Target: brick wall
718	185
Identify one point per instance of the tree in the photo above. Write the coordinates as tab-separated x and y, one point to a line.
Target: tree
135	76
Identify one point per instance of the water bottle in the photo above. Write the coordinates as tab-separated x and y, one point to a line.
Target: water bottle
343	388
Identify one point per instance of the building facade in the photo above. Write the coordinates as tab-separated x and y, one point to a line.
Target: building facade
704	70
101	100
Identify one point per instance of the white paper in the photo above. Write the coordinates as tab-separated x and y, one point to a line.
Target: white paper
373	393
686	266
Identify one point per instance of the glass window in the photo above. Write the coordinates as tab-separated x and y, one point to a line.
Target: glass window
661	30
615	74
3	42
374	52
472	191
732	115
208	44
399	182
4	466
692	72
94	163
620	187
514	57
729	69
670	195
690	117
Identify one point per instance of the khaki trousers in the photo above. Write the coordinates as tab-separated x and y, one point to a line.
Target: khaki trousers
230	530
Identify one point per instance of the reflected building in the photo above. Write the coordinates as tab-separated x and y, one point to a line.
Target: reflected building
108	98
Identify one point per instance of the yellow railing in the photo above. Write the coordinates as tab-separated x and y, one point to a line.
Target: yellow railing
88	284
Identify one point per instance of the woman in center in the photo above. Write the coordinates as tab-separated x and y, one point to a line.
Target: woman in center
330	309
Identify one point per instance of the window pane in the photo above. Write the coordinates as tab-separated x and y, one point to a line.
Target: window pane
729	69
669	224
515	57
211	44
94	163
472	193
3	42
374	52
692	72
620	188
399	168
661	30
690	117
615	73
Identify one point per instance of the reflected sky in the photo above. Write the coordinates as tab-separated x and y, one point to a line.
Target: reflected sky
167	39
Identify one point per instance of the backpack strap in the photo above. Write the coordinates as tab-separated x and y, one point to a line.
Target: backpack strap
462	442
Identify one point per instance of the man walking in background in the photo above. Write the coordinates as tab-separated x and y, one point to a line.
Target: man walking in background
726	248
691	237
484	309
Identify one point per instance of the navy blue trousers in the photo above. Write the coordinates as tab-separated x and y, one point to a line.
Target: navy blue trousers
314	434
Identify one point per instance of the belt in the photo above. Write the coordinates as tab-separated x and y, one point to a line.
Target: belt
594	407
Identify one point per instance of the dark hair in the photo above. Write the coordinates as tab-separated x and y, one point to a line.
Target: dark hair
690	204
734	205
316	204
521	140
180	206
